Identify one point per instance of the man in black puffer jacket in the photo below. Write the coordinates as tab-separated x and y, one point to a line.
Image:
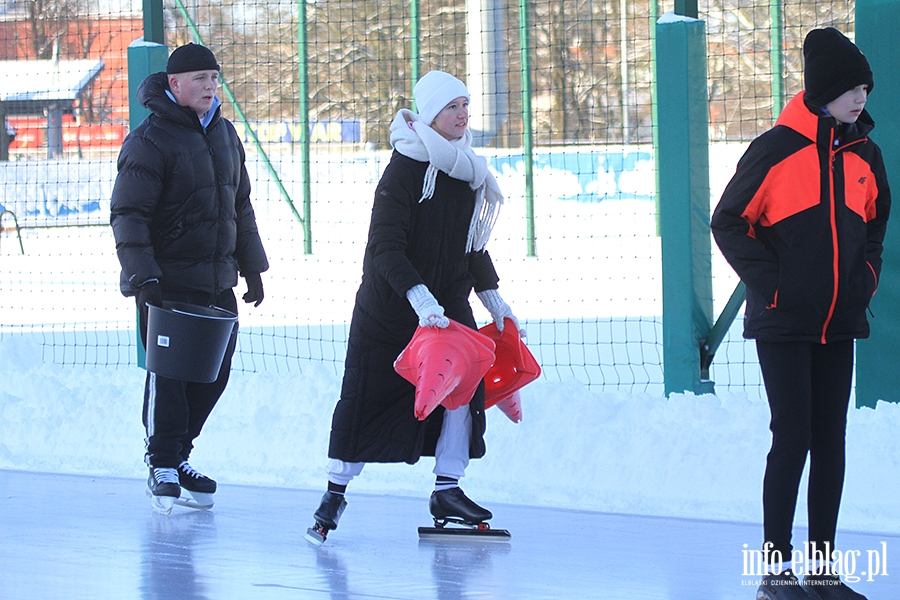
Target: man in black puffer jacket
184	229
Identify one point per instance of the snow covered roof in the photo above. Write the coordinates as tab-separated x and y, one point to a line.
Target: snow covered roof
29	84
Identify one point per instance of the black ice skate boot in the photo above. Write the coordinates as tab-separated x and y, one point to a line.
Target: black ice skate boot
452	505
783	586
327	516
828	587
163	489
198	485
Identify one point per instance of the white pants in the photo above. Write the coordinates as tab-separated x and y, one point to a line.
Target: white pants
451	456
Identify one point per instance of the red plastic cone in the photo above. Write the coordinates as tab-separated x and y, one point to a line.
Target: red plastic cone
445	365
514	366
512	407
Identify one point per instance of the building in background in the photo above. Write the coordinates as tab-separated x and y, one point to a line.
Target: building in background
71	30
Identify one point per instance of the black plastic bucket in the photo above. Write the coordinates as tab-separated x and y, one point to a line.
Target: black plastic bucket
186	341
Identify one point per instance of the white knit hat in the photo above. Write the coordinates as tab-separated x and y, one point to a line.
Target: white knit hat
434	91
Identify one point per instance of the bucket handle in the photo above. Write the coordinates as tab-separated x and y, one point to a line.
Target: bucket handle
181	312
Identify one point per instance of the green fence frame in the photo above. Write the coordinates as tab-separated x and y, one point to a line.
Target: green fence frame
683	178
681	148
878	357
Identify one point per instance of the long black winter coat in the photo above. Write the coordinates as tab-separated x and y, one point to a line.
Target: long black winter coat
410	243
180	207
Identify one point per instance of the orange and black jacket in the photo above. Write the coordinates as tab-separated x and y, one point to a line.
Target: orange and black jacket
802	223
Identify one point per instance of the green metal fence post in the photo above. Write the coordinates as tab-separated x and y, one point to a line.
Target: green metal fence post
777	58
877	358
4	135
303	74
527	120
154	22
687	8
415	42
654	108
684	196
144	58
146	55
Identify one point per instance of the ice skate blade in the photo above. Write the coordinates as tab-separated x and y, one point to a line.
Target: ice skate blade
465	534
162	504
196	500
314	537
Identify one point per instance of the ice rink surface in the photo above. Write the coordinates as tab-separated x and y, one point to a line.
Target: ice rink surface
72	537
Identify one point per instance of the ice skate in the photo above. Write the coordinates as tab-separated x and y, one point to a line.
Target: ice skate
783	586
163	489
327	516
828	587
200	487
453	506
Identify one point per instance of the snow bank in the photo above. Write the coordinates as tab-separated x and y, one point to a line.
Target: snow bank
685	456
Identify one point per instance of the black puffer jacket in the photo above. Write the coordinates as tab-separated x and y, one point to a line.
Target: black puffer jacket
410	243
180	209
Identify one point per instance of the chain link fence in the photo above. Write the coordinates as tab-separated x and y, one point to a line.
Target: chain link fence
568	82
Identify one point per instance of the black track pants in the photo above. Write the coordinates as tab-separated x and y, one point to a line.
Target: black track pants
808	387
175	411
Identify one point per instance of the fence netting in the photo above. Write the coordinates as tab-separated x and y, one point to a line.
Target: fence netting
578	252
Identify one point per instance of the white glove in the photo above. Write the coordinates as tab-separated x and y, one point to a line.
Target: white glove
430	313
499	309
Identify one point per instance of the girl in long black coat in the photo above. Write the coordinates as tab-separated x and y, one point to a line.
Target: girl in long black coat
434	209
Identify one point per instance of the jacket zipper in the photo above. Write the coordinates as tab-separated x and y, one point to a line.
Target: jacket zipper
832	157
215	264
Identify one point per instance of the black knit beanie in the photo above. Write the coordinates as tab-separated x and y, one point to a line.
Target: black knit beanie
191	57
833	65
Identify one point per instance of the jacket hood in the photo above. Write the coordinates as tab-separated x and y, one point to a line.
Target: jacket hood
799	117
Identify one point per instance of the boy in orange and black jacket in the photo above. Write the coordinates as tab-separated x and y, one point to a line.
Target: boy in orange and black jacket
802	223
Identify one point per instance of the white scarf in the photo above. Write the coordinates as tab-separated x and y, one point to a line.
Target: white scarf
412	138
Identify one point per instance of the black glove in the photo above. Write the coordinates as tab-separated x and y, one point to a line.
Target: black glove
149	293
254	289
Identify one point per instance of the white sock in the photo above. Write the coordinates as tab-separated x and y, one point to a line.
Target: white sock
445	483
